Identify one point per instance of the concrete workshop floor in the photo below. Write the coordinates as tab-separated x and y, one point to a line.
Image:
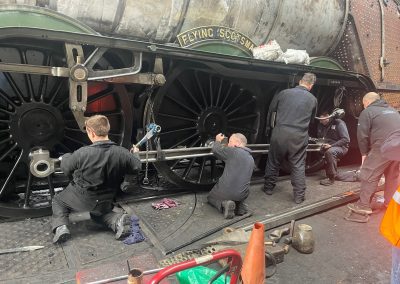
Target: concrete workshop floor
345	252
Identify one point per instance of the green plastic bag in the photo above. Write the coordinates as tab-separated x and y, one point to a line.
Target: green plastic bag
200	275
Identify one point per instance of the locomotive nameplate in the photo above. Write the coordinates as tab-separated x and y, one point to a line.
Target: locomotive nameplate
205	34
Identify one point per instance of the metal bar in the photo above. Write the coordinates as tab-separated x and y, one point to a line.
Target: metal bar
286	216
185	153
34	69
209	233
123	277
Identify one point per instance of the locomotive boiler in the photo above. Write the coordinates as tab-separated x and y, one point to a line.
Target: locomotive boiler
63	60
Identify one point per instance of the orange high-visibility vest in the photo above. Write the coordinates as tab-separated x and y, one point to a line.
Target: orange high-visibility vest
390	226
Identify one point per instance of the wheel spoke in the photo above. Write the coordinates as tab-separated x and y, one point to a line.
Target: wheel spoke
75	140
177	130
11	173
5	131
243	129
63	102
211	90
66	148
241	106
188	168
28	78
196	102
76	130
102	94
184	140
14	86
177	117
44	79
4	96
227	94
5	140
6	111
8	151
219	91
243	117
59	86
4	121
203	162
200	87
114	134
233	101
182	105
212	171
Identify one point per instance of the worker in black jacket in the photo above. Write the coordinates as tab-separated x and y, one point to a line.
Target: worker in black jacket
232	189
335	138
290	114
96	171
375	124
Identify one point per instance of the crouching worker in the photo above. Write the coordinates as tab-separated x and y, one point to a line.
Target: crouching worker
231	190
96	172
336	144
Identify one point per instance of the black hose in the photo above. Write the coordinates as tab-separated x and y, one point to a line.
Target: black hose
270	258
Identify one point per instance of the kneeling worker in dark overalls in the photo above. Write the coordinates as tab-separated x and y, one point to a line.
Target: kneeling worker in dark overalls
97	172
229	193
336	141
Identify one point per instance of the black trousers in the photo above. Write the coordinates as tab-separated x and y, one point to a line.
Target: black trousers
373	168
287	144
331	157
71	199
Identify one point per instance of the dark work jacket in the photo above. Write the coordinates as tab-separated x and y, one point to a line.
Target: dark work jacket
294	109
99	169
239	164
334	133
375	124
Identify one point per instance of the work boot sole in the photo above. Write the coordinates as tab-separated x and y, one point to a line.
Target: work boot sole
356	209
229	209
61	238
123	227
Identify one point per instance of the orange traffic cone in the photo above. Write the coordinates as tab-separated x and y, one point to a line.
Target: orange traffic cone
253	270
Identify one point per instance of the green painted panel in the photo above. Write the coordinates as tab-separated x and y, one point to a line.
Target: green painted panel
221	48
23	16
326	62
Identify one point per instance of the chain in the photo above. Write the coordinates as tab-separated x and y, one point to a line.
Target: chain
148	92
146	173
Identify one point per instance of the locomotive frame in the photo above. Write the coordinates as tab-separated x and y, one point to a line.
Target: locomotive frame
52	79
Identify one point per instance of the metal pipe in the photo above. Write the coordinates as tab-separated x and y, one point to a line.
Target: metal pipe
382	62
123	277
286	216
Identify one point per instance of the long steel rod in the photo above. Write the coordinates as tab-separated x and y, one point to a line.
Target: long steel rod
286	216
194	152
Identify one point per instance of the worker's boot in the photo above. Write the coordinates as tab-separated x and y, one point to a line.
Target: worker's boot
228	208
122	227
327	181
360	208
241	208
61	234
299	199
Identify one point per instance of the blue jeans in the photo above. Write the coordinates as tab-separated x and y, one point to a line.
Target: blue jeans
395	265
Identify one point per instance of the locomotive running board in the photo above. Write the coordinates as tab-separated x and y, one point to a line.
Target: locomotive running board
185	153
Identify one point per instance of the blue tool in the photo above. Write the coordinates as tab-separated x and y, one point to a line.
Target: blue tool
152	129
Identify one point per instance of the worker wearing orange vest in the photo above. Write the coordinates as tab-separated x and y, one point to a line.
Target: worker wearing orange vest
390	226
390	229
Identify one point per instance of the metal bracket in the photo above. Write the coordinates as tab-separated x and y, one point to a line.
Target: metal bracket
77	83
